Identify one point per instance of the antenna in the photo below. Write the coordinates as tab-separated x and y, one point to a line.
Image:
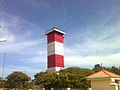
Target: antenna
4	57
101	64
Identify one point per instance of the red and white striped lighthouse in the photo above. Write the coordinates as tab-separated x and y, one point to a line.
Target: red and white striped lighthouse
55	49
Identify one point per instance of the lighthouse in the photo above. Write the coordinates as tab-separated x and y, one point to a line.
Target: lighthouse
55	49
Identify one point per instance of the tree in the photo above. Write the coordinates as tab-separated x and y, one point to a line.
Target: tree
17	80
77	81
97	68
30	85
76	77
72	80
63	81
2	83
77	70
113	69
73	77
47	79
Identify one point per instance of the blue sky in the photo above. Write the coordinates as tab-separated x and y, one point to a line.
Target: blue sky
92	32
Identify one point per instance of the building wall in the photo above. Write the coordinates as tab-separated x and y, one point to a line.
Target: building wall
102	85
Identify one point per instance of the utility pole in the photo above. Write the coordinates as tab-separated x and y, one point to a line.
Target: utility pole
4	57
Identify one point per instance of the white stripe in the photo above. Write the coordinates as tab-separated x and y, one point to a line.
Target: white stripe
54	69
55	52
55	43
55	48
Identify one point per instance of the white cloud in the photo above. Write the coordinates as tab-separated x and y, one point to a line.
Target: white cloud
100	43
107	60
19	47
7	35
15	28
98	39
105	41
18	41
36	59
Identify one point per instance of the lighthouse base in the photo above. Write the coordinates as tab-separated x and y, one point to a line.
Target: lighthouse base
54	69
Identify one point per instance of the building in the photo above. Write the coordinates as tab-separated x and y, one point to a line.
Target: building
104	80
55	49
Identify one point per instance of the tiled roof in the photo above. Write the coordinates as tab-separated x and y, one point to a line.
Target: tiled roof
103	74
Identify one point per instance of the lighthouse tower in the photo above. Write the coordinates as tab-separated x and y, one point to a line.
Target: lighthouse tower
55	49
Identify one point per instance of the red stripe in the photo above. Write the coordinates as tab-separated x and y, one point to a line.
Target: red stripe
55	61
55	36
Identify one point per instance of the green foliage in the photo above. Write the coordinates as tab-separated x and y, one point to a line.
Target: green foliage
76	76
77	70
77	81
72	80
112	69
71	77
17	80
97	68
63	80
30	85
48	79
2	83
